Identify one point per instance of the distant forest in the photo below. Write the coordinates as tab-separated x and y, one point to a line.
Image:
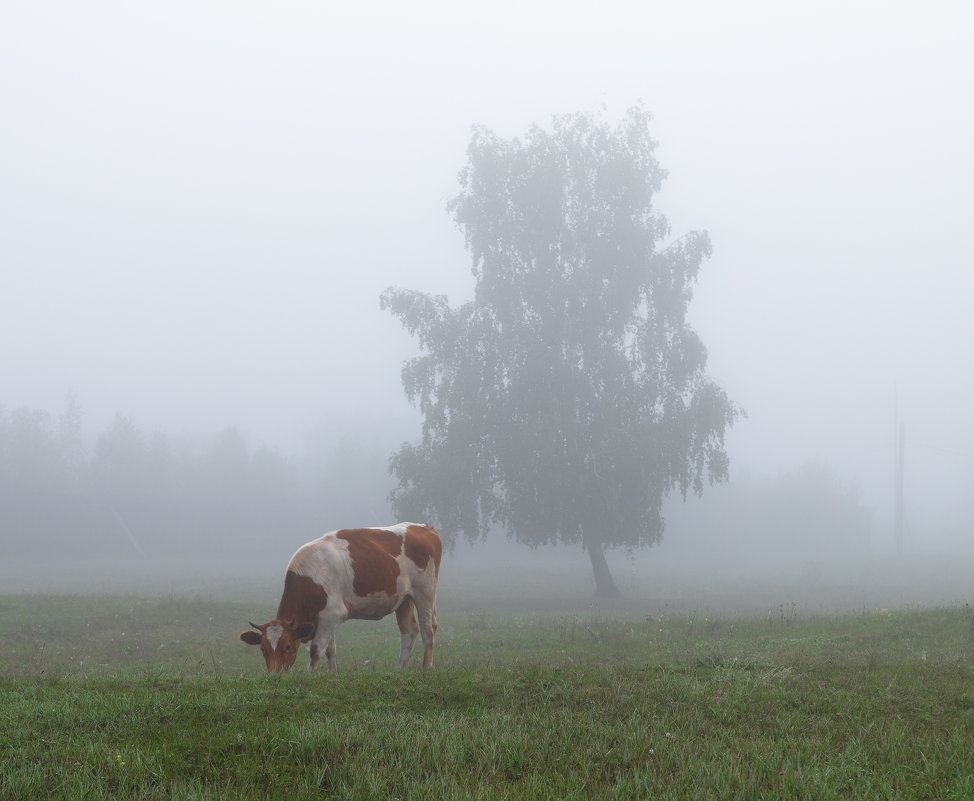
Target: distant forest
128	493
139	494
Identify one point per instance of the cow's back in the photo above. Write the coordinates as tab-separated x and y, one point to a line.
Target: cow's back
368	572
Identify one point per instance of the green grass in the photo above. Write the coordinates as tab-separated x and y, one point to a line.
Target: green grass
877	705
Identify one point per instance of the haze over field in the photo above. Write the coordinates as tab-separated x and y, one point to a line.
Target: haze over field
202	203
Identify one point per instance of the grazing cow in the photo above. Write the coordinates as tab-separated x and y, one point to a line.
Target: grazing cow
361	574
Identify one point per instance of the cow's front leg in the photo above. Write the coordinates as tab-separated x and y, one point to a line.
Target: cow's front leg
330	653
324	643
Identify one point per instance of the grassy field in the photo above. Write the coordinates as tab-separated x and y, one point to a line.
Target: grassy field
154	698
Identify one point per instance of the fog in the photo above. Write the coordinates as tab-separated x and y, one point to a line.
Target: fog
202	203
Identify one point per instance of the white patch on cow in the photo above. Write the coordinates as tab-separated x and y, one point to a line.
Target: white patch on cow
273	634
399	528
325	561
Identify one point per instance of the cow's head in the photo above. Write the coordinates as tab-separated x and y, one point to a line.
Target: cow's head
279	642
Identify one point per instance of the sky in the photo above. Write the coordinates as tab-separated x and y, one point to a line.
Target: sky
201	202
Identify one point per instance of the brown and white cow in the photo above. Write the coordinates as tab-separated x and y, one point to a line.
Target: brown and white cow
361	574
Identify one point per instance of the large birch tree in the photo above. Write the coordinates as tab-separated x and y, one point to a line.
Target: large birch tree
569	396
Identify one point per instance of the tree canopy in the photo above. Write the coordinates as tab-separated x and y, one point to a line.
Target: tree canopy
569	396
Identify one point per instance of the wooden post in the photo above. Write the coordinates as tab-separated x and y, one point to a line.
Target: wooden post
900	437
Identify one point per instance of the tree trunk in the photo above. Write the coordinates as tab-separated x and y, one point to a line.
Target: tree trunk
605	587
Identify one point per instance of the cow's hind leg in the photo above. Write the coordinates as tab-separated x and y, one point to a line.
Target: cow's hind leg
427	627
408	628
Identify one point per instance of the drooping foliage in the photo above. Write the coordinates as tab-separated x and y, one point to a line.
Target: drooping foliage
569	395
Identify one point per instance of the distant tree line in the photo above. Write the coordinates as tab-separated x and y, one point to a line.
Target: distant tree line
139	494
132	494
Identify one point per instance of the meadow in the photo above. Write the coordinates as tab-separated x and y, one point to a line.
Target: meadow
153	697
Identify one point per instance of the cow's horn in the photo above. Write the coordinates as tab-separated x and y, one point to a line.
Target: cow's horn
254	625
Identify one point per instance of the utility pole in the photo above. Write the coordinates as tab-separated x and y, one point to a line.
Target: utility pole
899	437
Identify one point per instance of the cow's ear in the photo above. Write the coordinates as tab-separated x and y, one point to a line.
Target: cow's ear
251	637
304	631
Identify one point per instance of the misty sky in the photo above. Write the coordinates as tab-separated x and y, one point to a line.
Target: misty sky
201	202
